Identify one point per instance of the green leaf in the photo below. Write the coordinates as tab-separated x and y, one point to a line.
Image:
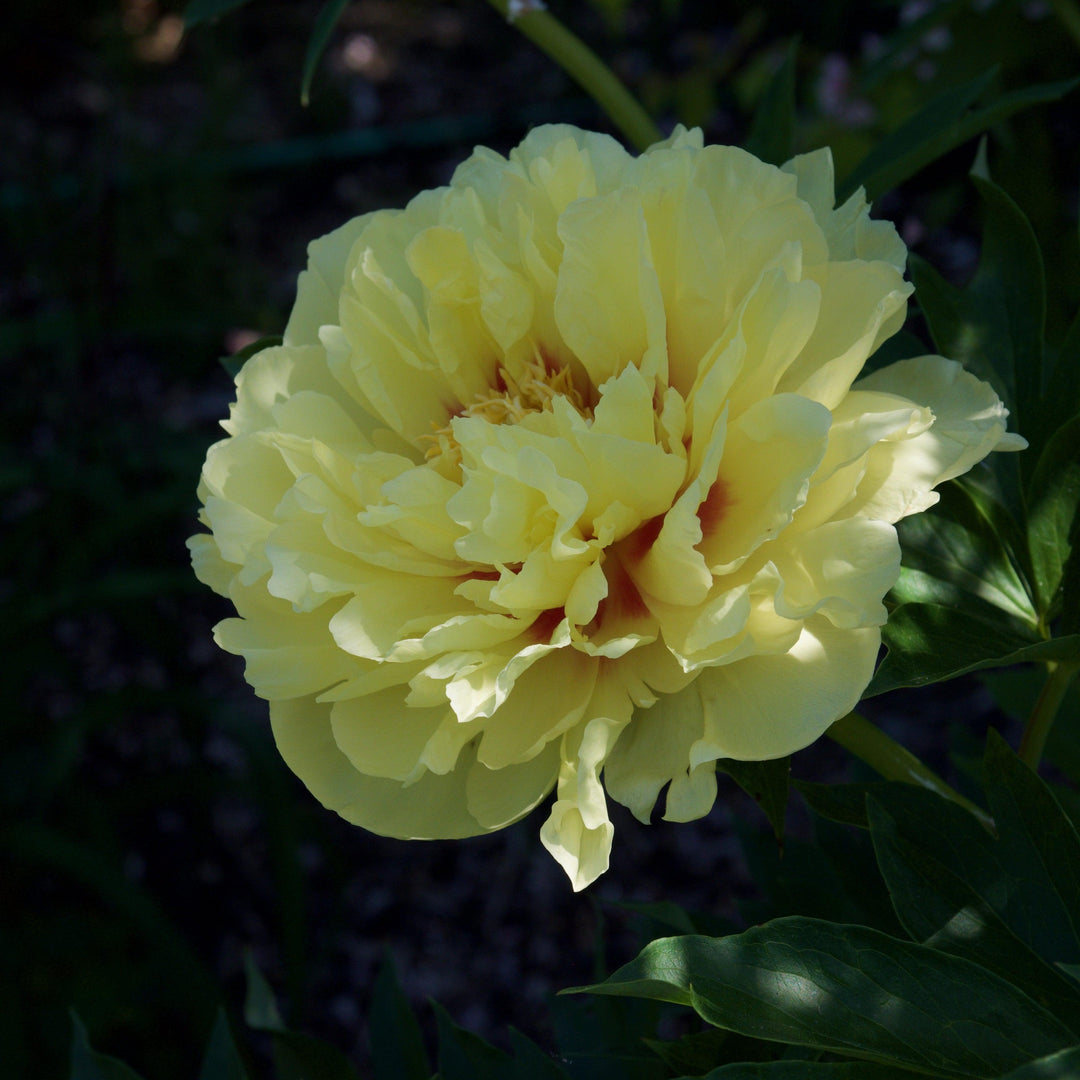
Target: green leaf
1064	1065
772	130
86	1064
843	803
199	11
809	1070
320	36
1040	846
463	1055
946	122
532	1063
930	643
940	902
397	1048
296	1056
1053	500
833	875
903	345
959	551
692	1053
906	36
848	990
675	917
221	1061
232	364
1062	398
766	782
993	491
995	325
260	1006
603	1038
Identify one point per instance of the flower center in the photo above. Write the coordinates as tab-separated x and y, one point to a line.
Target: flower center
510	400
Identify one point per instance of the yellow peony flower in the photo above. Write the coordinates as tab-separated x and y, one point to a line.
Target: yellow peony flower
562	471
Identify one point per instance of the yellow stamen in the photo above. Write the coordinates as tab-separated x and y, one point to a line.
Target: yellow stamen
533	390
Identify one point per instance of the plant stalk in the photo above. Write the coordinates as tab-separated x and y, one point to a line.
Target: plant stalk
886	756
584	66
1059	674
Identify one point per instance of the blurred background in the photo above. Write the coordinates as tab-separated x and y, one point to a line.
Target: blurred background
158	188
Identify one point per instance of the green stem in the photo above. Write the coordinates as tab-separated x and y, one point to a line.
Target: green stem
886	756
584	66
1059	674
1069	14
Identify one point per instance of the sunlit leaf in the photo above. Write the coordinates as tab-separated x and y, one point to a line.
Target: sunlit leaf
930	643
956	552
944	876
1064	1065
848	990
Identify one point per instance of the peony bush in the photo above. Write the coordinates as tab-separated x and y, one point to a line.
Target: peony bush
564	477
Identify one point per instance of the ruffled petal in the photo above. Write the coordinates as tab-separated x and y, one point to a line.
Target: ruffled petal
768	706
969	422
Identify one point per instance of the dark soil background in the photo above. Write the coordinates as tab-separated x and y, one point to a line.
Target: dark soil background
157	192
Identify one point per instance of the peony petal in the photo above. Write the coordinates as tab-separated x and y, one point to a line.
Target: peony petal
498	797
381	736
286	653
862	303
578	832
849	229
608	304
434	807
547	699
969	422
842	569
654	751
320	285
772	450
769	706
